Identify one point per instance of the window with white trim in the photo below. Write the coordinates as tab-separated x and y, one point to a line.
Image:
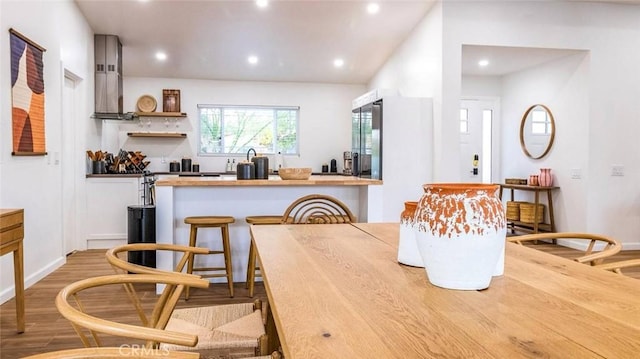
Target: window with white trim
226	129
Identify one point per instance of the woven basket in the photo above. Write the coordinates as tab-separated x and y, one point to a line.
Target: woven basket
513	210
521	181
527	213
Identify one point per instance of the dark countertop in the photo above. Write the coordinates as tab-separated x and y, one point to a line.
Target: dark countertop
191	174
185	174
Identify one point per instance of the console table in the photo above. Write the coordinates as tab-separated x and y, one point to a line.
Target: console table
11	235
532	227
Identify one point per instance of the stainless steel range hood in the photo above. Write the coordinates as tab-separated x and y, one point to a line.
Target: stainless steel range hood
108	78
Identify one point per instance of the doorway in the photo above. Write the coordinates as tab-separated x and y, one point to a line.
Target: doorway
478	126
69	152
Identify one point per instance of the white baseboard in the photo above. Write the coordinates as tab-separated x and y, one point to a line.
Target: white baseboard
9	292
582	245
104	243
633	246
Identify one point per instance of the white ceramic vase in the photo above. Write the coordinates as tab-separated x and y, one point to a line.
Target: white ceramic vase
408	252
461	234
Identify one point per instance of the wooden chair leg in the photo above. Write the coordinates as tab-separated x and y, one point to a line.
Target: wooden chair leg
246	284
192	243
227	257
251	269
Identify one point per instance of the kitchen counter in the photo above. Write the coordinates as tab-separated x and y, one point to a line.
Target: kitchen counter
180	197
230	180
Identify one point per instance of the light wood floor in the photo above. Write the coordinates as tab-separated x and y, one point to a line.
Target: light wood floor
46	330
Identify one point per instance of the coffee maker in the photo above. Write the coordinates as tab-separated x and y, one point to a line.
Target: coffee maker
348	162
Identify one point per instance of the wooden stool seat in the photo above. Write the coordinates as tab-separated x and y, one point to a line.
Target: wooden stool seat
253	269
221	222
209	221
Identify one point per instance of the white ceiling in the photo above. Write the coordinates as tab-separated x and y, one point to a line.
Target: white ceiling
294	40
505	60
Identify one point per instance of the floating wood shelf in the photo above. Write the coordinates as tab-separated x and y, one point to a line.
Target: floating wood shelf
161	114
157	134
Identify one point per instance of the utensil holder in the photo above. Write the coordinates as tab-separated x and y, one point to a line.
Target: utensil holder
99	167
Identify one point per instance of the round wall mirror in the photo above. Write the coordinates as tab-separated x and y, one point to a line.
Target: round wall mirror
537	131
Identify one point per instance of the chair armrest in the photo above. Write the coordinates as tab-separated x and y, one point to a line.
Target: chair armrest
620	264
119	263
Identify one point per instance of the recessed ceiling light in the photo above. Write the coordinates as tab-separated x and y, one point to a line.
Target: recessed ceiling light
338	62
483	63
252	59
373	8
161	56
262	3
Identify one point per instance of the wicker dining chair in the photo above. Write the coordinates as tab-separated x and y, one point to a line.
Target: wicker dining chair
88	326
593	255
618	266
238	329
317	209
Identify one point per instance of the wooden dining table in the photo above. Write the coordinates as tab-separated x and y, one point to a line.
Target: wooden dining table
337	291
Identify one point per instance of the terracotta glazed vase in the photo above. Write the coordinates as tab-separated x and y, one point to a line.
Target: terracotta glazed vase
461	233
545	179
533	180
408	252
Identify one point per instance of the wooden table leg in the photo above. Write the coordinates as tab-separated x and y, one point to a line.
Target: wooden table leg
272	331
535	212
18	271
551	216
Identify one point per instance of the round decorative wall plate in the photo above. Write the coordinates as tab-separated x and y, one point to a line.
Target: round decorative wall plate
146	103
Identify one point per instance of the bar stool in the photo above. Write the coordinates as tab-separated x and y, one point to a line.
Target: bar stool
253	269
221	222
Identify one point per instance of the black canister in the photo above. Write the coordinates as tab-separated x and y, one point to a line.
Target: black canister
245	171
325	168
174	166
261	166
186	164
334	166
195	167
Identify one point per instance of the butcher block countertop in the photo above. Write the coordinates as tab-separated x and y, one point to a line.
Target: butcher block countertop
226	181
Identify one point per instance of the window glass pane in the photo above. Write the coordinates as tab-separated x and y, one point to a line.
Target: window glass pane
210	130
464	120
487	123
287	123
236	129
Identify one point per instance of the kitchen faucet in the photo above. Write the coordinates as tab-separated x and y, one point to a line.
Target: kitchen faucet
254	152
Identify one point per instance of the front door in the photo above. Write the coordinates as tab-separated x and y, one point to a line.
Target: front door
477	123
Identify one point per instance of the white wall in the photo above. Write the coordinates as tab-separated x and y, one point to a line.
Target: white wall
608	119
415	70
34	183
481	86
561	85
325	118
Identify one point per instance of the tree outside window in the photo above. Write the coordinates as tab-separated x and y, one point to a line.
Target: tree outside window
236	129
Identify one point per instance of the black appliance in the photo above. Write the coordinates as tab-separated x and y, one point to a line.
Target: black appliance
366	140
141	228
